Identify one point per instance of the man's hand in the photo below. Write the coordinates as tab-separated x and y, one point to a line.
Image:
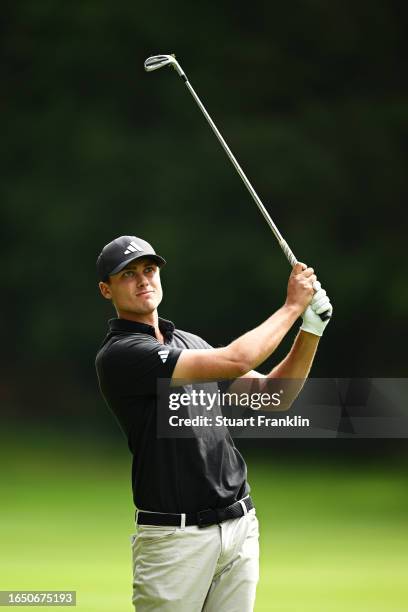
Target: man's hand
312	323
300	287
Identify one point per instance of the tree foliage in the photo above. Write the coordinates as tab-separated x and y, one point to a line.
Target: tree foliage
312	98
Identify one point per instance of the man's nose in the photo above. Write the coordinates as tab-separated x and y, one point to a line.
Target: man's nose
141	280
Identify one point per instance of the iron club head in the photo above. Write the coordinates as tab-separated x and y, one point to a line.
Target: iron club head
158	61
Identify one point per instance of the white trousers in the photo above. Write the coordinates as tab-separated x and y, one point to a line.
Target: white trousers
210	569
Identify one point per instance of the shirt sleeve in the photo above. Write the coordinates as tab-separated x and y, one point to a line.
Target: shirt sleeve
134	365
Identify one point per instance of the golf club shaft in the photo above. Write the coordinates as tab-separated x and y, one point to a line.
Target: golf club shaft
156	62
283	244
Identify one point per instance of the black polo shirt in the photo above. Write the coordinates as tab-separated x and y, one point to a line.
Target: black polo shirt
168	474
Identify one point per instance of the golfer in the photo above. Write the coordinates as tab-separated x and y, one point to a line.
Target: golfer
196	542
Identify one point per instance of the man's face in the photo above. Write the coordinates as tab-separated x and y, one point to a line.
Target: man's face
136	290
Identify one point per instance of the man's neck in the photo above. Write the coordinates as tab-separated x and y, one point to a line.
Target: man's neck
151	319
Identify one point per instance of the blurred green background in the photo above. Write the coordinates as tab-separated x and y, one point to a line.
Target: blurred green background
312	98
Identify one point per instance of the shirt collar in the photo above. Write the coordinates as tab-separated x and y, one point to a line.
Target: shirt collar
134	327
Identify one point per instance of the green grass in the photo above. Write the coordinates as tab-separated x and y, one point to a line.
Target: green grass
332	539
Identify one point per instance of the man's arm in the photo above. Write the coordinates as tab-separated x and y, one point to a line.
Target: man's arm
250	350
295	367
298	361
293	370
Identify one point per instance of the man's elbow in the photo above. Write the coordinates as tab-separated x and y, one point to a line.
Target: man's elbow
282	407
286	405
239	366
236	369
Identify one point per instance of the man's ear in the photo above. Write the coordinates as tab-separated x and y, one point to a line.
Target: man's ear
105	290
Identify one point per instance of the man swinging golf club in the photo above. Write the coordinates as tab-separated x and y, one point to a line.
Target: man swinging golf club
196	542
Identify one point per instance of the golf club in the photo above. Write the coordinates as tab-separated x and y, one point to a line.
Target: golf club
159	61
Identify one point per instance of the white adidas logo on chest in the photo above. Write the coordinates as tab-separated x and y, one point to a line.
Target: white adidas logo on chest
163	354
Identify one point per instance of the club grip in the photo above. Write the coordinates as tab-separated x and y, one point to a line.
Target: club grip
325	315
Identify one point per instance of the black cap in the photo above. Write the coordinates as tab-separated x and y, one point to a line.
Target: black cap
117	254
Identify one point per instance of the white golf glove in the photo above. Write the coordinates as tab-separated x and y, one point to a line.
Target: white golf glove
312	323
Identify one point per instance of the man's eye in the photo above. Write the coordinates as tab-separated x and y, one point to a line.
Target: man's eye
149	269
128	273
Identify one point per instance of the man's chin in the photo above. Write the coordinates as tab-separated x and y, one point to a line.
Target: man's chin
143	309
149	305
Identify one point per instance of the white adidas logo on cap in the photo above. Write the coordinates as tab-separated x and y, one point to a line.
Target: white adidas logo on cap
163	354
132	248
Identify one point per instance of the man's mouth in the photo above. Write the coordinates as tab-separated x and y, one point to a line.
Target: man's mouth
147	292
